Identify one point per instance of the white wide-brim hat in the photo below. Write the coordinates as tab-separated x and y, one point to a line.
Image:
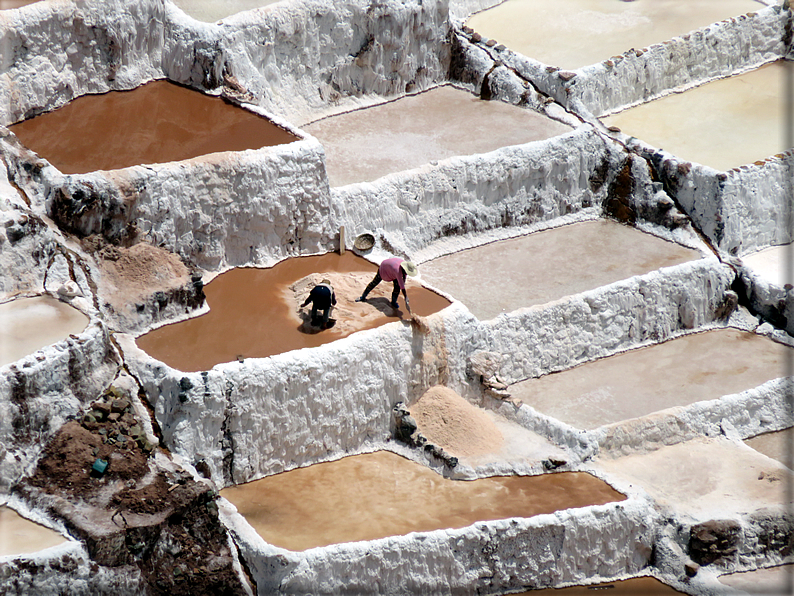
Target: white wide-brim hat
409	268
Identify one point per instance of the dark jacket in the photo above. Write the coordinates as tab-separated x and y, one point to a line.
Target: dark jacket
322	295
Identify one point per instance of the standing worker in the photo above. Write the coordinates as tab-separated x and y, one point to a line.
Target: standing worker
322	298
394	270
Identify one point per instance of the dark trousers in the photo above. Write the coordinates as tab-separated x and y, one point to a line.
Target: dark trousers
326	314
375	281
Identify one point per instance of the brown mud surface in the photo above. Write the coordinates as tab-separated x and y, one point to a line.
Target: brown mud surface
155	123
253	312
137	514
365	497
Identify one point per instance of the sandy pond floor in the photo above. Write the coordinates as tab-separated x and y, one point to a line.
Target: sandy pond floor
366	144
575	33
549	265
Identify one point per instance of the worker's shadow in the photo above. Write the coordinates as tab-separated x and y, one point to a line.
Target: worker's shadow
307	325
385	307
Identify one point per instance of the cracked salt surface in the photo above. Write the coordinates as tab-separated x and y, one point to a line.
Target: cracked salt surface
575	33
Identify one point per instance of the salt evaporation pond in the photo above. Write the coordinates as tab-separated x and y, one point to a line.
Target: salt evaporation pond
575	33
705	479
775	445
6	4
29	324
250	317
157	122
770	264
365	497
211	11
773	581
549	265
638	586
679	372
723	124
409	132
20	536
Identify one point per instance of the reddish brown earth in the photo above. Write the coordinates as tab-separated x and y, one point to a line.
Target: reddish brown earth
151	522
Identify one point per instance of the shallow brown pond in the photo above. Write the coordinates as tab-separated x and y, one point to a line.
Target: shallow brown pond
157	122
250	317
19	536
365	497
29	324
638	586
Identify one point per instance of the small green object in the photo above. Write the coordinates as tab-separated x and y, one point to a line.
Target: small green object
100	465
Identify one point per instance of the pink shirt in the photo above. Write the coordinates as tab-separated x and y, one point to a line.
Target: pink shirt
390	270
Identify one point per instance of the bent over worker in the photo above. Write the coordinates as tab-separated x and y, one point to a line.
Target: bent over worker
394	270
322	298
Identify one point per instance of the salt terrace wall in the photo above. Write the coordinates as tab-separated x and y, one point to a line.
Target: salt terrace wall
301	59
263	416
512	186
739	416
53	52
295	59
573	545
222	210
741	210
731	46
41	391
597	323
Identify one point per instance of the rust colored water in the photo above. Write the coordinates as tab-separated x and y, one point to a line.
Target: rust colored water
20	536
157	122
689	369
639	586
249	316
365	497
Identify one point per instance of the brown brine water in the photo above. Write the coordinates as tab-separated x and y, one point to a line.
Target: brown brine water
157	122
250	317
365	497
